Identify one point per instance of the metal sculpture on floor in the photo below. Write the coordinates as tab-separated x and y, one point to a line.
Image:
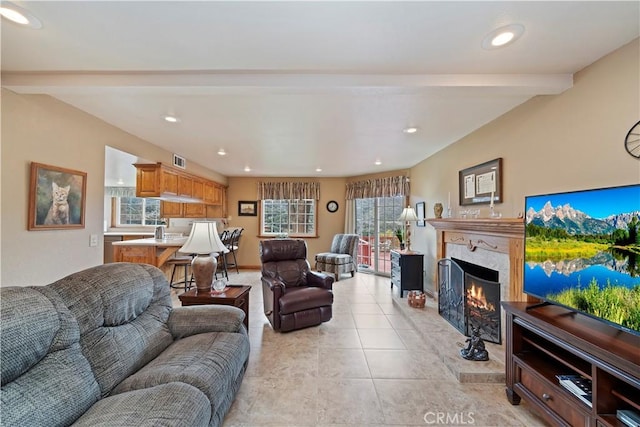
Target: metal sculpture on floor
475	350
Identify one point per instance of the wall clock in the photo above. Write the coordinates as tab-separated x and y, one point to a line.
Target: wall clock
332	206
632	141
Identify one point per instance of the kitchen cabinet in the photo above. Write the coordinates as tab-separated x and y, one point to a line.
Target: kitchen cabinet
213	193
198	189
147	251
183	195
147	181
194	210
185	186
108	248
171	209
169	183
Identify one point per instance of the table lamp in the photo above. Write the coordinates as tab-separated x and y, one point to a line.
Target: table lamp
408	214
203	241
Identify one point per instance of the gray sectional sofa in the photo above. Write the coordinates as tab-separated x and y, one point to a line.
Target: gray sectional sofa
104	347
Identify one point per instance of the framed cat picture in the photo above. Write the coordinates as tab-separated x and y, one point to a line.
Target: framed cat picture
57	198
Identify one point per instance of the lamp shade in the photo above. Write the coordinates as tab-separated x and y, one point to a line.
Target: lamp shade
408	214
203	239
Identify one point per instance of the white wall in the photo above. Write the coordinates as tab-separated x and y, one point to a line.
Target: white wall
38	128
565	142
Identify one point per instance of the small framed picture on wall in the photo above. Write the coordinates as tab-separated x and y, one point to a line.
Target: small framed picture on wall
420	207
247	208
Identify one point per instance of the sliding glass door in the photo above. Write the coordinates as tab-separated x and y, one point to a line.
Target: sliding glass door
376	223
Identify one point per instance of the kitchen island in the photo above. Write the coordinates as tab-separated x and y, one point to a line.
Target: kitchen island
147	251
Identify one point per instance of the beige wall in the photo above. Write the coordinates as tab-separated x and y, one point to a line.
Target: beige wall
328	223
37	128
549	144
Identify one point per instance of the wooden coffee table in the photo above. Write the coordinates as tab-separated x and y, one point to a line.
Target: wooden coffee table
235	295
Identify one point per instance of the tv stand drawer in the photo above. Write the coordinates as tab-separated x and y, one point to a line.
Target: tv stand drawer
550	396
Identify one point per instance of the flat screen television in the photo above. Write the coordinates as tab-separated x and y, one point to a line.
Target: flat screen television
582	251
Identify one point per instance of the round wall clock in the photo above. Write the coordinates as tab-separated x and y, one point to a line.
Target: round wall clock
632	141
332	206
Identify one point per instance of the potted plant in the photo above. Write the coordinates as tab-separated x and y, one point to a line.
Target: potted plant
400	235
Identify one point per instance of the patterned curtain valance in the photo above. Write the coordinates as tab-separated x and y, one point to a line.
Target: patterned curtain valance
120	191
390	186
288	190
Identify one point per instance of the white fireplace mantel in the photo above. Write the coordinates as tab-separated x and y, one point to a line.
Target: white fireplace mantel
496	235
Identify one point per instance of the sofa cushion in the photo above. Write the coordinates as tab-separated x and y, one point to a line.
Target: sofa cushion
122	310
46	380
333	259
29	325
212	362
170	405
304	298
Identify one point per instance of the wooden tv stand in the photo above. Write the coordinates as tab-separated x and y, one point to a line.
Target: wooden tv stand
546	341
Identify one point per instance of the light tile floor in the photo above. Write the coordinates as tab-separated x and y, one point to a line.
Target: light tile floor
368	366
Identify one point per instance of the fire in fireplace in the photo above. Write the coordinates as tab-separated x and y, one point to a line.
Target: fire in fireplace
469	296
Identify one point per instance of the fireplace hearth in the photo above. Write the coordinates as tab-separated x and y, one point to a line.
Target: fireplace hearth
469	298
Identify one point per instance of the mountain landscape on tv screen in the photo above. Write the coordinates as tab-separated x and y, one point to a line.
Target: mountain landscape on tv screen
586	261
574	221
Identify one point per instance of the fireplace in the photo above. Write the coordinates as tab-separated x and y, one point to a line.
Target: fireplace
469	297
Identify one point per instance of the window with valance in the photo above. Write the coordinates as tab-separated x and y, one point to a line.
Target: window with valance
288	190
391	186
288	208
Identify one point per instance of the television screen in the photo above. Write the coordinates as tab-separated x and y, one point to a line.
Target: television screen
582	251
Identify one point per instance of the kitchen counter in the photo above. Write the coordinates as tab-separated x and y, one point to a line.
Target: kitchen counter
129	233
161	243
147	251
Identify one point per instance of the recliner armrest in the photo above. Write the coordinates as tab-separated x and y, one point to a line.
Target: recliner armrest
319	280
273	283
198	319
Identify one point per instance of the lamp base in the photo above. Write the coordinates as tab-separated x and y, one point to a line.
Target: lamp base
203	268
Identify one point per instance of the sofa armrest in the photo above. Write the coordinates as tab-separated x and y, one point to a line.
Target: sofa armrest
198	319
319	280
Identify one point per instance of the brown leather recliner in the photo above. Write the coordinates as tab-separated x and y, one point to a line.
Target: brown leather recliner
294	296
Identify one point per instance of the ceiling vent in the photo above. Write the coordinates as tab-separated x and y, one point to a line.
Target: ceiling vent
180	162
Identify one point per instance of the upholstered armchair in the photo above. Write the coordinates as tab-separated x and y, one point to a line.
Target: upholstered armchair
342	257
294	296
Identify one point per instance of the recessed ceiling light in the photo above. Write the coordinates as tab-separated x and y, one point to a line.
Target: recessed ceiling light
410	130
318	169
120	181
502	36
247	169
221	152
19	16
171	119
377	163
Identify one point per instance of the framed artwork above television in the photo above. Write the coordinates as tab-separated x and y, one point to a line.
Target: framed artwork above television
479	184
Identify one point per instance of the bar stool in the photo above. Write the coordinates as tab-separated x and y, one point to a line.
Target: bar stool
176	262
222	265
233	244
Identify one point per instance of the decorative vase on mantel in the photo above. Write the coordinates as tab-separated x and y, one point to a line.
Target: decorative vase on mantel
437	210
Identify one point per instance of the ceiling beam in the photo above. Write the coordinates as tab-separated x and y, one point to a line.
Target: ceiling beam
61	82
